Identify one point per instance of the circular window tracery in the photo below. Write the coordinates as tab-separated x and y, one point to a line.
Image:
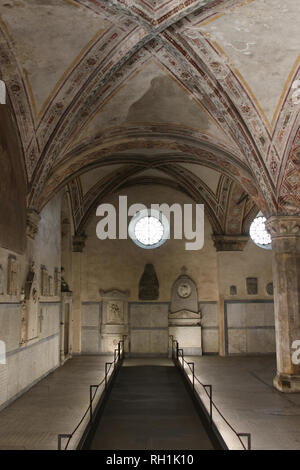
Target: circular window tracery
259	233
149	229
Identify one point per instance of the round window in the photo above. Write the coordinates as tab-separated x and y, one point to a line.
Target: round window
149	229
259	234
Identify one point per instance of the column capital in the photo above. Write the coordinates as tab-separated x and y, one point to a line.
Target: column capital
32	223
230	242
283	226
79	242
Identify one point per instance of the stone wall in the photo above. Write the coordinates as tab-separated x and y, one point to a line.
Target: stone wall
108	264
140	322
28	362
119	264
249	327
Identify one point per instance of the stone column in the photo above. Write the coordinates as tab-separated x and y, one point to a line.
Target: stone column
78	246
285	233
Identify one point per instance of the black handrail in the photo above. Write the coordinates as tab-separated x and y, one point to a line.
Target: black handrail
119	354
176	354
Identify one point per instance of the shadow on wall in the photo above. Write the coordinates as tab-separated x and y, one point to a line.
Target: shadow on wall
12	186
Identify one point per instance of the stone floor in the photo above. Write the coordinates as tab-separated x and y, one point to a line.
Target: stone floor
242	389
54	406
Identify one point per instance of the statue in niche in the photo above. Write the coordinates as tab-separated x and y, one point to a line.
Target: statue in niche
51	286
29	281
44	281
1	280
23	317
252	287
64	284
148	285
12	277
233	290
270	288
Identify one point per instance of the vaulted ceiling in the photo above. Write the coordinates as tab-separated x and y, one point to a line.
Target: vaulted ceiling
201	95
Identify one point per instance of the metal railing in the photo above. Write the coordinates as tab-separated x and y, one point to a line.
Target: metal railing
119	354
178	358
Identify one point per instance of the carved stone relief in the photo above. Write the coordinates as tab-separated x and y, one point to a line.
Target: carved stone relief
184	315
252	285
184	295
114	323
29	306
12	276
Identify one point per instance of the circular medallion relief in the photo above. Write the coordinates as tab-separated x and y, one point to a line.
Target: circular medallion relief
184	290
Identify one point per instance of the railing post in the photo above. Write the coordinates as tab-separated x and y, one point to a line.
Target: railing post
171	337
59	442
124	339
192	364
59	439
91	401
106	372
181	350
119	350
177	350
210	403
248	435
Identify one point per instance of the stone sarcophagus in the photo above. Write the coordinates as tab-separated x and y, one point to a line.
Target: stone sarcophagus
114	324
184	315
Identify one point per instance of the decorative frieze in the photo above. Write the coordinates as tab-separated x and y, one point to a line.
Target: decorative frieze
283	226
